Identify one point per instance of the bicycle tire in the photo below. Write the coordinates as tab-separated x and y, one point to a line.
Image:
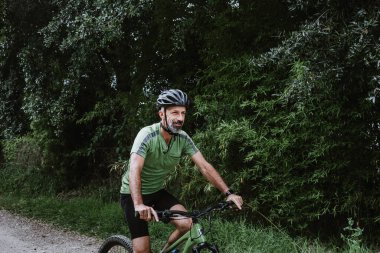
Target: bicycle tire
116	244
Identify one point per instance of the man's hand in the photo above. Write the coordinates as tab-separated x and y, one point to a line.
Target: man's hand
236	199
146	213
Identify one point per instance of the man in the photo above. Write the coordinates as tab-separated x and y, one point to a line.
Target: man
156	151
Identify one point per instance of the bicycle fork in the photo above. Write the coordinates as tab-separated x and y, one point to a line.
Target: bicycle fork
211	247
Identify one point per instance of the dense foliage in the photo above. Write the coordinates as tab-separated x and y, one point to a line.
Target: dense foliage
286	97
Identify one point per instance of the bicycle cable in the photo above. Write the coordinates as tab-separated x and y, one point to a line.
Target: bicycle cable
277	228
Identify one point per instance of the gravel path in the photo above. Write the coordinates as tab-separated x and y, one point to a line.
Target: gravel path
22	235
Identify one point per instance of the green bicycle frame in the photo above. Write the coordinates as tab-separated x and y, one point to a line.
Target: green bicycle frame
193	241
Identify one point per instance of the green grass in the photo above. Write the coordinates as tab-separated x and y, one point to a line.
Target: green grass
92	216
94	211
86	215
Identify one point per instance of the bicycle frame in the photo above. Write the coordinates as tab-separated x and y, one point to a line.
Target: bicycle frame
193	241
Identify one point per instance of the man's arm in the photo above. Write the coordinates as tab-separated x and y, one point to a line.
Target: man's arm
136	166
213	176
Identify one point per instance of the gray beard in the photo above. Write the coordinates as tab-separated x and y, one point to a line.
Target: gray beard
173	129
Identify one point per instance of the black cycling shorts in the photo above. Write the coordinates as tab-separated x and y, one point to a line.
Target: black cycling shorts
161	200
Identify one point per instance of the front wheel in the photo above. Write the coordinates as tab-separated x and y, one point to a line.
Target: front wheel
116	244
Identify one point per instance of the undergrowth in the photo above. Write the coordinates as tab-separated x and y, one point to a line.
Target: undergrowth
95	211
92	216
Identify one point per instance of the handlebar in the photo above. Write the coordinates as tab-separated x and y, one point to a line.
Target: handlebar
170	214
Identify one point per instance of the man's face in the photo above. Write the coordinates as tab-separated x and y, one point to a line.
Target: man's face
175	117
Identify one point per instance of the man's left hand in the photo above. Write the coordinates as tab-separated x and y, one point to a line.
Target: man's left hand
238	200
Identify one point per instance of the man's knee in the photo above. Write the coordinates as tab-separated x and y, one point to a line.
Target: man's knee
141	244
184	225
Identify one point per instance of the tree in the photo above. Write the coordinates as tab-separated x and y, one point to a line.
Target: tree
296	128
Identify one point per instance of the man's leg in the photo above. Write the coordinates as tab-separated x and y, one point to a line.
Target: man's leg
137	227
141	244
181	226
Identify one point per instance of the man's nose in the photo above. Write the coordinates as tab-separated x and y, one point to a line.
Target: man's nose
181	117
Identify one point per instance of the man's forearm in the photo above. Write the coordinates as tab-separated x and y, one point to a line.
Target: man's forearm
135	186
213	176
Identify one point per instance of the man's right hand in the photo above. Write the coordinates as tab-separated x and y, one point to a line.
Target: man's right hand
146	213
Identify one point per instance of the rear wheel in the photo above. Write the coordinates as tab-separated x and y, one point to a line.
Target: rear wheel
116	244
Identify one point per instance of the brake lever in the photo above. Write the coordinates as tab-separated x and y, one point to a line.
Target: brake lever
225	204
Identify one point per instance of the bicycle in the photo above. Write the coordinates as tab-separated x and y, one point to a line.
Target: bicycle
194	241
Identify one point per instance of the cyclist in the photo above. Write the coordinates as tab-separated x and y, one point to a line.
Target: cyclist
156	151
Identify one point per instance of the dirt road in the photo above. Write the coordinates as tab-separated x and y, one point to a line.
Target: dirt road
22	235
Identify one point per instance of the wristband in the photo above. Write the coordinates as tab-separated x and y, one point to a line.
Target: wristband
229	192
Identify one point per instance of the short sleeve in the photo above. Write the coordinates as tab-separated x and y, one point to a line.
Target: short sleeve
140	144
189	148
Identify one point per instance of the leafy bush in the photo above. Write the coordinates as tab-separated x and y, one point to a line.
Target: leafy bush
22	171
352	237
295	130
22	152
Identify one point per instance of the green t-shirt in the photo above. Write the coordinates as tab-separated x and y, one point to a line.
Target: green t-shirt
160	158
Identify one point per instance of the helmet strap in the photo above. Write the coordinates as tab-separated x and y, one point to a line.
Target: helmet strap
164	127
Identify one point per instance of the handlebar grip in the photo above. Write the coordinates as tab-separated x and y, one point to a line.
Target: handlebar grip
226	204
230	203
160	214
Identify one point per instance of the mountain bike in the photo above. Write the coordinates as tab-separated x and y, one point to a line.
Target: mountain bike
194	241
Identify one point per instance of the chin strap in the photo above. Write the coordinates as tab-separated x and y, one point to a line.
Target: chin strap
166	128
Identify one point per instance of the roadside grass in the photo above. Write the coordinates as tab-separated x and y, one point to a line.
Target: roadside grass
95	211
85	215
93	216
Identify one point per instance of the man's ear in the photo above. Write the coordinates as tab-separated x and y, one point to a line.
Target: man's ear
161	113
